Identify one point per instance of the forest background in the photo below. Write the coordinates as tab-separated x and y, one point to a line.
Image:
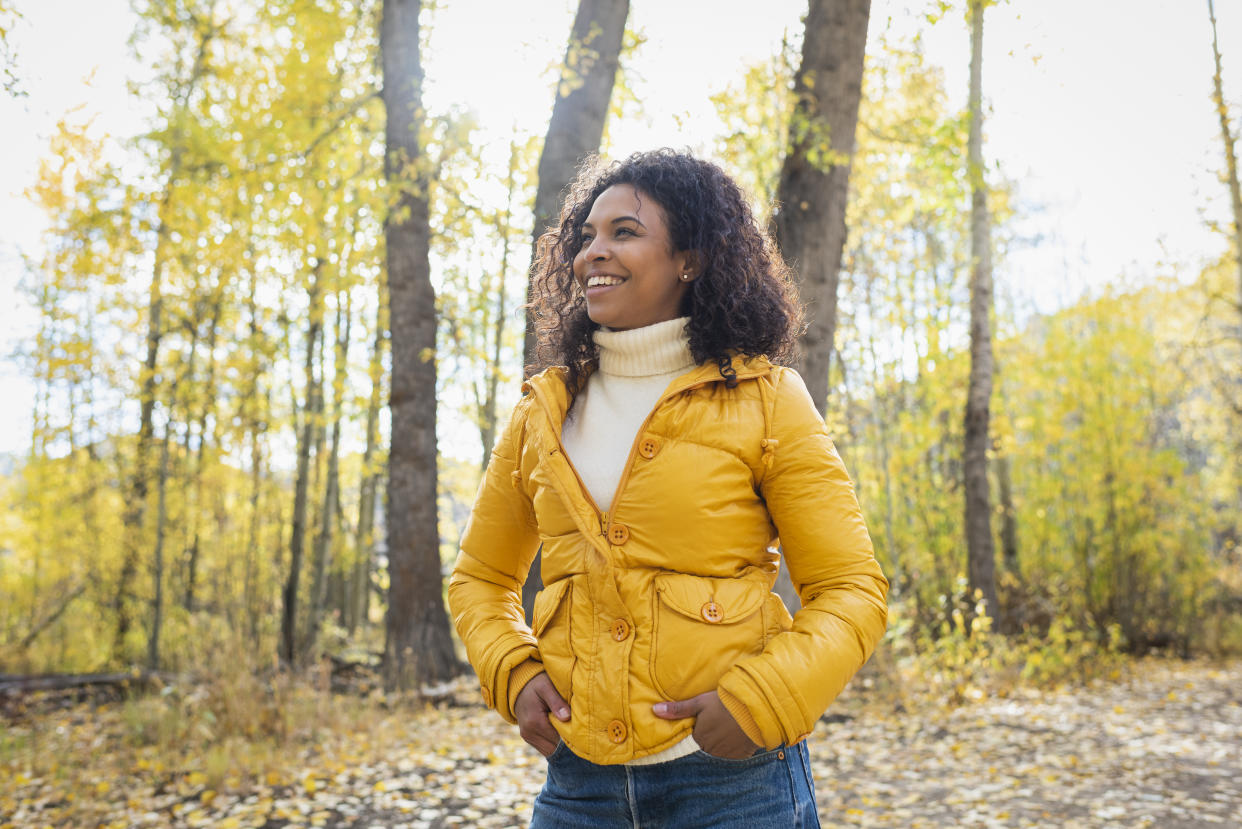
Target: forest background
201	486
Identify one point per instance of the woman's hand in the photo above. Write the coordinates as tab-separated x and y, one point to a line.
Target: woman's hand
715	730
534	703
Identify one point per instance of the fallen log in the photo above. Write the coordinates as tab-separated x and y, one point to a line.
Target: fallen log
18	684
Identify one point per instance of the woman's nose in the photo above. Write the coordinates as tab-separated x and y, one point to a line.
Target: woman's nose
597	249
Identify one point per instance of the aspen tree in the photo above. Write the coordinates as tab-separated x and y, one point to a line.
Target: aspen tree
418	648
980	546
810	217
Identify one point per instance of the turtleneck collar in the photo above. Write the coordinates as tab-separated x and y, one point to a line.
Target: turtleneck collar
662	348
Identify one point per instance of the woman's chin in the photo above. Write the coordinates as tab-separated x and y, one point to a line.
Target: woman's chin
601	316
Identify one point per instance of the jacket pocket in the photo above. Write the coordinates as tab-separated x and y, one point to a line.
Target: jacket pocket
702	627
552	620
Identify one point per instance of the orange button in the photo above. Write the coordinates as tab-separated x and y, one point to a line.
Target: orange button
618	533
487	697
648	448
620	630
712	612
616	731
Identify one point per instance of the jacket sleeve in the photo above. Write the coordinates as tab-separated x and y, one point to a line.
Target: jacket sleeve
778	695
485	590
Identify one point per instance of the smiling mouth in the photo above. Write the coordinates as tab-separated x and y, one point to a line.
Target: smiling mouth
603	281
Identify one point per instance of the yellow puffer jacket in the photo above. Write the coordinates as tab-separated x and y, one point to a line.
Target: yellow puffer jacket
668	595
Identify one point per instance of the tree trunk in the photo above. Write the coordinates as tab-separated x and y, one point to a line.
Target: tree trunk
1235	195
980	547
252	415
209	400
883	414
134	514
306	436
360	602
578	114
488	415
418	647
331	496
161	525
1231	157
814	184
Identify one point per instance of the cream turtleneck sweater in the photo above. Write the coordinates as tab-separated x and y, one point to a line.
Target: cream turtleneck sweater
635	367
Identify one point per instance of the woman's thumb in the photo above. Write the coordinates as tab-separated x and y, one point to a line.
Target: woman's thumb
677	709
553	700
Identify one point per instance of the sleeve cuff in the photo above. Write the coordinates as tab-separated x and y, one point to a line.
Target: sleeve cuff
522	674
742	715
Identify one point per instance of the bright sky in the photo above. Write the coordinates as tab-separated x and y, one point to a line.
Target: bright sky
1099	109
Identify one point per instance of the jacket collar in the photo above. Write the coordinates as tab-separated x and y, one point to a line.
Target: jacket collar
549	388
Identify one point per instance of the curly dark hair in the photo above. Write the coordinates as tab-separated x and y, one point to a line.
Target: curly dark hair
743	302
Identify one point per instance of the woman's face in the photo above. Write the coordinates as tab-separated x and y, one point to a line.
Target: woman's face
626	266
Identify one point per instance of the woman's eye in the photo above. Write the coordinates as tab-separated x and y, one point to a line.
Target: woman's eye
586	240
624	230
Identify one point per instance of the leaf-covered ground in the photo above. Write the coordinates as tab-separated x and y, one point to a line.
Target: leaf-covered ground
1160	746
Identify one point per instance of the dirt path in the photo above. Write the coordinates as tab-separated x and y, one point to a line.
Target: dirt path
1161	747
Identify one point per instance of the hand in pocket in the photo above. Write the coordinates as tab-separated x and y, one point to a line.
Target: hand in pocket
715	730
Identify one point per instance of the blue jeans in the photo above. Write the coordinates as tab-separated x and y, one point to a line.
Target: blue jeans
771	790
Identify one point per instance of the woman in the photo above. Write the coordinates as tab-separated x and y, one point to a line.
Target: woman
657	461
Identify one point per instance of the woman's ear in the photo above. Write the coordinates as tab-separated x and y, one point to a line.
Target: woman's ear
691	267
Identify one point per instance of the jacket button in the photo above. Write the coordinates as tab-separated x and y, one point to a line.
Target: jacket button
620	630
487	697
712	612
616	731
618	534
648	448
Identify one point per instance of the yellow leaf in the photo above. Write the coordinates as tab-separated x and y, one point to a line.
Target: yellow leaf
196	778
102	787
207	796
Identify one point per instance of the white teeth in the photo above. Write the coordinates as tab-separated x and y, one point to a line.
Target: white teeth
597	281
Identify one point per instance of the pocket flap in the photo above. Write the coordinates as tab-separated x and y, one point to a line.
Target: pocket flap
547	601
712	600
